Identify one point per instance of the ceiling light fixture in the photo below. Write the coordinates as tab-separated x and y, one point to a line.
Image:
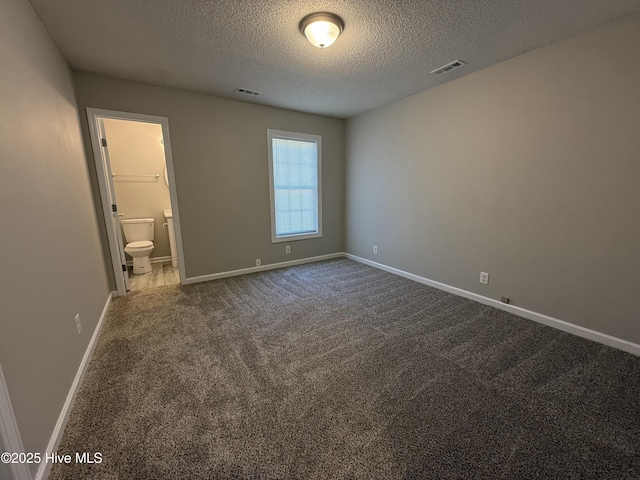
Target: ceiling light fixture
322	28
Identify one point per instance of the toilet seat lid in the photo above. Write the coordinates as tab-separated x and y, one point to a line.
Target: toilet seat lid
141	244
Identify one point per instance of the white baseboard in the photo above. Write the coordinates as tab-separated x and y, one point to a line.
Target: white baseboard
262	268
153	260
583	332
56	436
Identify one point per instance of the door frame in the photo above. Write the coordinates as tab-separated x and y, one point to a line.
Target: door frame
115	215
10	440
94	115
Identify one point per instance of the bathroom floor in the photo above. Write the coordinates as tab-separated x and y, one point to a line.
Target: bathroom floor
162	274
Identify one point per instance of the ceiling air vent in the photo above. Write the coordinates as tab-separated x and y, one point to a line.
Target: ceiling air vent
246	91
448	67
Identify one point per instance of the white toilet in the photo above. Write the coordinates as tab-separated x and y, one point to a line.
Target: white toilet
138	233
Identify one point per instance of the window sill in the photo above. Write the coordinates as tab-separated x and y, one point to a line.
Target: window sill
293	238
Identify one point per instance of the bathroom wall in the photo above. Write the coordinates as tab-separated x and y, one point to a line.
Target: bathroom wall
52	266
136	148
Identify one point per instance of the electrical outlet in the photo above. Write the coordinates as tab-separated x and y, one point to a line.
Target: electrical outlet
287	249
258	262
484	278
78	323
375	249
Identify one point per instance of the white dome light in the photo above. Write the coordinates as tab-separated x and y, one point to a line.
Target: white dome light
321	29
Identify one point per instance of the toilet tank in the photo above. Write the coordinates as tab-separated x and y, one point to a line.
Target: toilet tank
137	229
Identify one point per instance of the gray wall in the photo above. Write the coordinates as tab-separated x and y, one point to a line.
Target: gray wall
52	267
220	159
4	472
529	170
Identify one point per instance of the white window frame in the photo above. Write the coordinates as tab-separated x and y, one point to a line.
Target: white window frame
306	137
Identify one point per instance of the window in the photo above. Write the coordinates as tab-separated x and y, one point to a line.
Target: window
295	181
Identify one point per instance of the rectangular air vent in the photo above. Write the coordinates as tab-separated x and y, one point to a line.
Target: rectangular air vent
448	67
246	91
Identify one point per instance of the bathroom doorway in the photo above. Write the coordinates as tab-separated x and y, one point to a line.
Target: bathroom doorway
137	188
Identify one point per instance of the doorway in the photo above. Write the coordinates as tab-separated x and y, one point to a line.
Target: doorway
137	188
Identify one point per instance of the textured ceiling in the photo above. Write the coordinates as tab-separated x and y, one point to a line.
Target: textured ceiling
386	52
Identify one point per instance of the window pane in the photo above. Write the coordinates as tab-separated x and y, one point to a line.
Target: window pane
295	185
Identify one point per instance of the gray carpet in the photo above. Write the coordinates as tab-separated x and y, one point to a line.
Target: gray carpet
339	370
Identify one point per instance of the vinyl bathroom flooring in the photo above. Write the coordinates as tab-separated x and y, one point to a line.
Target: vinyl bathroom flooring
163	274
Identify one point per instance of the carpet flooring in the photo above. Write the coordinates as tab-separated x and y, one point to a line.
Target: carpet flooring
340	370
